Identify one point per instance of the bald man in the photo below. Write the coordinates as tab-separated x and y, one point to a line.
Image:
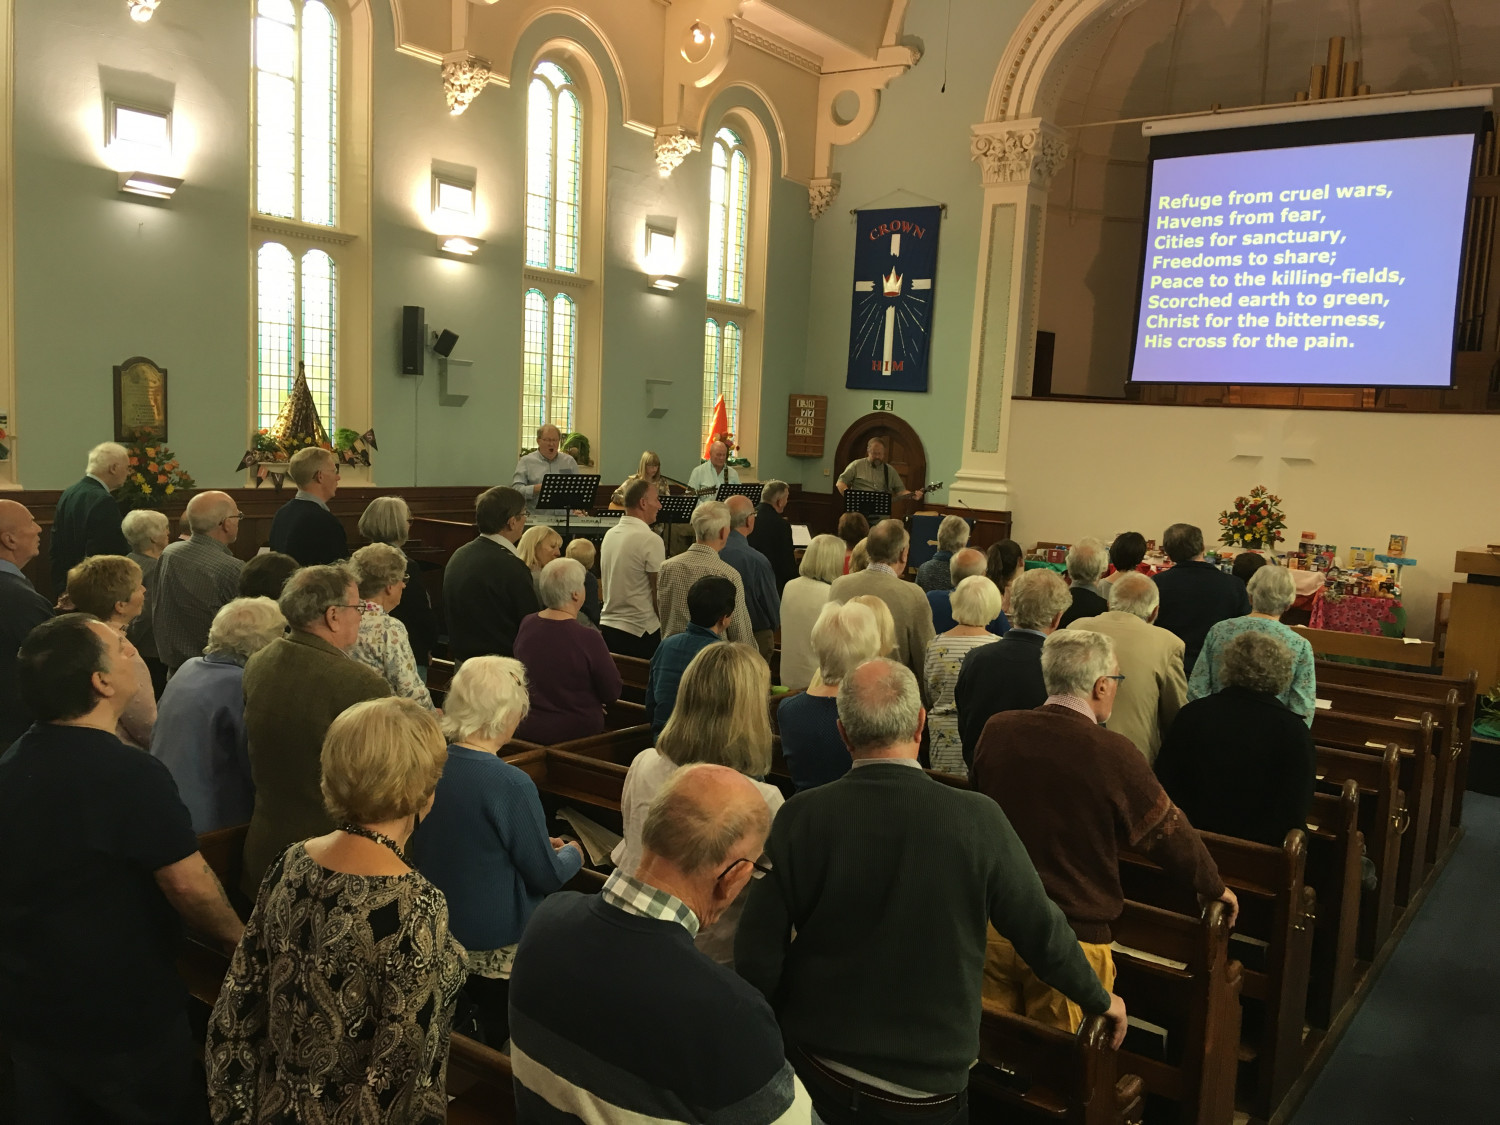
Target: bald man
21	610
87	518
195	578
706	478
761	596
589	965
541	462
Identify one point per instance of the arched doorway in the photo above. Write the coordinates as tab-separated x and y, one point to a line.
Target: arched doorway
904	451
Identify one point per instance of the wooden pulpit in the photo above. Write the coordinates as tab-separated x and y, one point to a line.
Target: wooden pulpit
1474	617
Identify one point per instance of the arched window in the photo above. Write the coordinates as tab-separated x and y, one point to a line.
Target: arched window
297	163
728	218
554	169
549	362
721	372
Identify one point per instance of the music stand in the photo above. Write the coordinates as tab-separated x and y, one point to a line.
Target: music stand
749	491
677	509
567	491
872	505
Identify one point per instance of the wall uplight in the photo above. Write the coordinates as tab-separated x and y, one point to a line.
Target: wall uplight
142	10
149	184
661	257
459	245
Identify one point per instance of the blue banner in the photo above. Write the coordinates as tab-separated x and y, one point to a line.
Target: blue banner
895	272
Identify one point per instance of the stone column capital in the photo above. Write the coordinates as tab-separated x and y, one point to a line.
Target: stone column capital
1026	153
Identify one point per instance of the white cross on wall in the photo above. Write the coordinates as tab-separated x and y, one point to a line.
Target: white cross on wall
890	312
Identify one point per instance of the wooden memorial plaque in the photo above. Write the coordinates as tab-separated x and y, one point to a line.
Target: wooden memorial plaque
806	419
140	400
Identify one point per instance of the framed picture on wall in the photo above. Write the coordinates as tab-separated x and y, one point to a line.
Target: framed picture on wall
140	399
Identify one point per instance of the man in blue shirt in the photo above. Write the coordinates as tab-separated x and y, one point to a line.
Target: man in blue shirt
964	563
761	598
710	603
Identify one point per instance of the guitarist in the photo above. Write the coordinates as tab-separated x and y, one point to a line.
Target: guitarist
707	477
872	473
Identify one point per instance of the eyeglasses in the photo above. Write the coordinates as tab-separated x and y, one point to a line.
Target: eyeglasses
233	516
1117	679
363	607
762	866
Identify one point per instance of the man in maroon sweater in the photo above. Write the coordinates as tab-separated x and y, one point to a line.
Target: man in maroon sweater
1077	794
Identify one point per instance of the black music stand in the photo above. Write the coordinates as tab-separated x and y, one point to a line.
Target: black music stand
749	491
677	509
567	491
872	505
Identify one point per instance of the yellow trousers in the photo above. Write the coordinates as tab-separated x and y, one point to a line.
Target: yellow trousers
1010	983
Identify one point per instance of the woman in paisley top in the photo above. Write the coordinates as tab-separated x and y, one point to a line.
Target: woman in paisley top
339	1000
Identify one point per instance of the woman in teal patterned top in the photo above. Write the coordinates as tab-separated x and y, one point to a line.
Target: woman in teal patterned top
1271	593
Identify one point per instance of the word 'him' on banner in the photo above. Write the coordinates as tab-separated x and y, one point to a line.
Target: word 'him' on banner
895	264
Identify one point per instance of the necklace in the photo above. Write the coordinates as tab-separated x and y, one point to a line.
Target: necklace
379	838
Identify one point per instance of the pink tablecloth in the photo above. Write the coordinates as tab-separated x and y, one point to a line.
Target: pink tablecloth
1352	614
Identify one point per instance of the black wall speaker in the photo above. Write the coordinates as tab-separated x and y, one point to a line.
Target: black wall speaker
445	343
1041	371
413	346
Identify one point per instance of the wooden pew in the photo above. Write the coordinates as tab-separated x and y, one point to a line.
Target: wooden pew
1333	871
1421	686
1195	999
1447	745
1359	646
1382	820
1276	913
439	676
1030	1072
1416	743
634	673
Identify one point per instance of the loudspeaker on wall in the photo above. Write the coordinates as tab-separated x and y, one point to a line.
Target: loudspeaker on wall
413	346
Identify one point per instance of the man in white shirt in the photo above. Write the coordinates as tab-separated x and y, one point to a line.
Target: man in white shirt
629	562
541	461
713	472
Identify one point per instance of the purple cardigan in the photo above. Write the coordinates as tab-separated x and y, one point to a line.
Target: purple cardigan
571	676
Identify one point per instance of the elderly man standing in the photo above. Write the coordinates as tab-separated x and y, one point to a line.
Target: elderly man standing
1195	595
21	610
1077	795
1088	559
1008	676
304	527
708	475
195	578
87	519
888	544
873	473
886	875
1155	684
542	461
964	563
772	535
90	923
630	561
759	581
703	1045
487	589
294	688
710	532
952	536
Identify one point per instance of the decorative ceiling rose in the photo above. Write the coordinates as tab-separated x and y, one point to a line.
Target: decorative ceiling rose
142	10
464	78
672	147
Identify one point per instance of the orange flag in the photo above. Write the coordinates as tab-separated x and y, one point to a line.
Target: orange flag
719	428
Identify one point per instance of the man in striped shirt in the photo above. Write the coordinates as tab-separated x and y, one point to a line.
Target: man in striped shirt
616	1017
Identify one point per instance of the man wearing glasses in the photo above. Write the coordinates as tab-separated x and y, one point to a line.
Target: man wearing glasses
702	1044
304	527
1077	794
195	578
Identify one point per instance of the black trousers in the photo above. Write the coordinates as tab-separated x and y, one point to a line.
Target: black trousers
157	1084
838	1100
627	644
491	998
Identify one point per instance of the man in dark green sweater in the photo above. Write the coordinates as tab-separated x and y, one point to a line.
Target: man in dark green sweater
888	880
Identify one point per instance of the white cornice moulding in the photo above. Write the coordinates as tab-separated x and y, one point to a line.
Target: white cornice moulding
292	228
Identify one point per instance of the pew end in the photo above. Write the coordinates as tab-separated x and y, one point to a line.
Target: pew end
1028	1071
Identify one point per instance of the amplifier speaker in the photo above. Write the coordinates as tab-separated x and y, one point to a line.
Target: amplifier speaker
413	346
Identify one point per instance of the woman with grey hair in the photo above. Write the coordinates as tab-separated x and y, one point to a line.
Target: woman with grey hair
485	842
1271	594
952	536
1239	761
387	519
380	570
845	635
200	723
801	602
148	532
573	676
975	603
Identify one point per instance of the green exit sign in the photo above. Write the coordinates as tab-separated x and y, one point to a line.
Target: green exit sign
887	404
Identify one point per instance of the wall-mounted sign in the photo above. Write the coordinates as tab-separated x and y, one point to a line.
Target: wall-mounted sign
806	420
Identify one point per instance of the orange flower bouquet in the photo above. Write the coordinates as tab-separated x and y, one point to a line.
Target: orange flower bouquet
155	475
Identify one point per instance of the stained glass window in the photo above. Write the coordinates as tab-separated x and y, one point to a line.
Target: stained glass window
297	321
721	372
296	111
554	169
728	218
549	362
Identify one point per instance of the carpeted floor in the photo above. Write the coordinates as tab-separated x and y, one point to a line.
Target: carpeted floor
1425	1047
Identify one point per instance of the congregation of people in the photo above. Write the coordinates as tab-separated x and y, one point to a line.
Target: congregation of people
813	945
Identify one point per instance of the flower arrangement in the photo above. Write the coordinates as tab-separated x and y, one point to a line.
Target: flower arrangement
1254	520
268	447
4	449
155	475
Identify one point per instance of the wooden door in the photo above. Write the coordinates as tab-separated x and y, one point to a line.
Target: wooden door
904	451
